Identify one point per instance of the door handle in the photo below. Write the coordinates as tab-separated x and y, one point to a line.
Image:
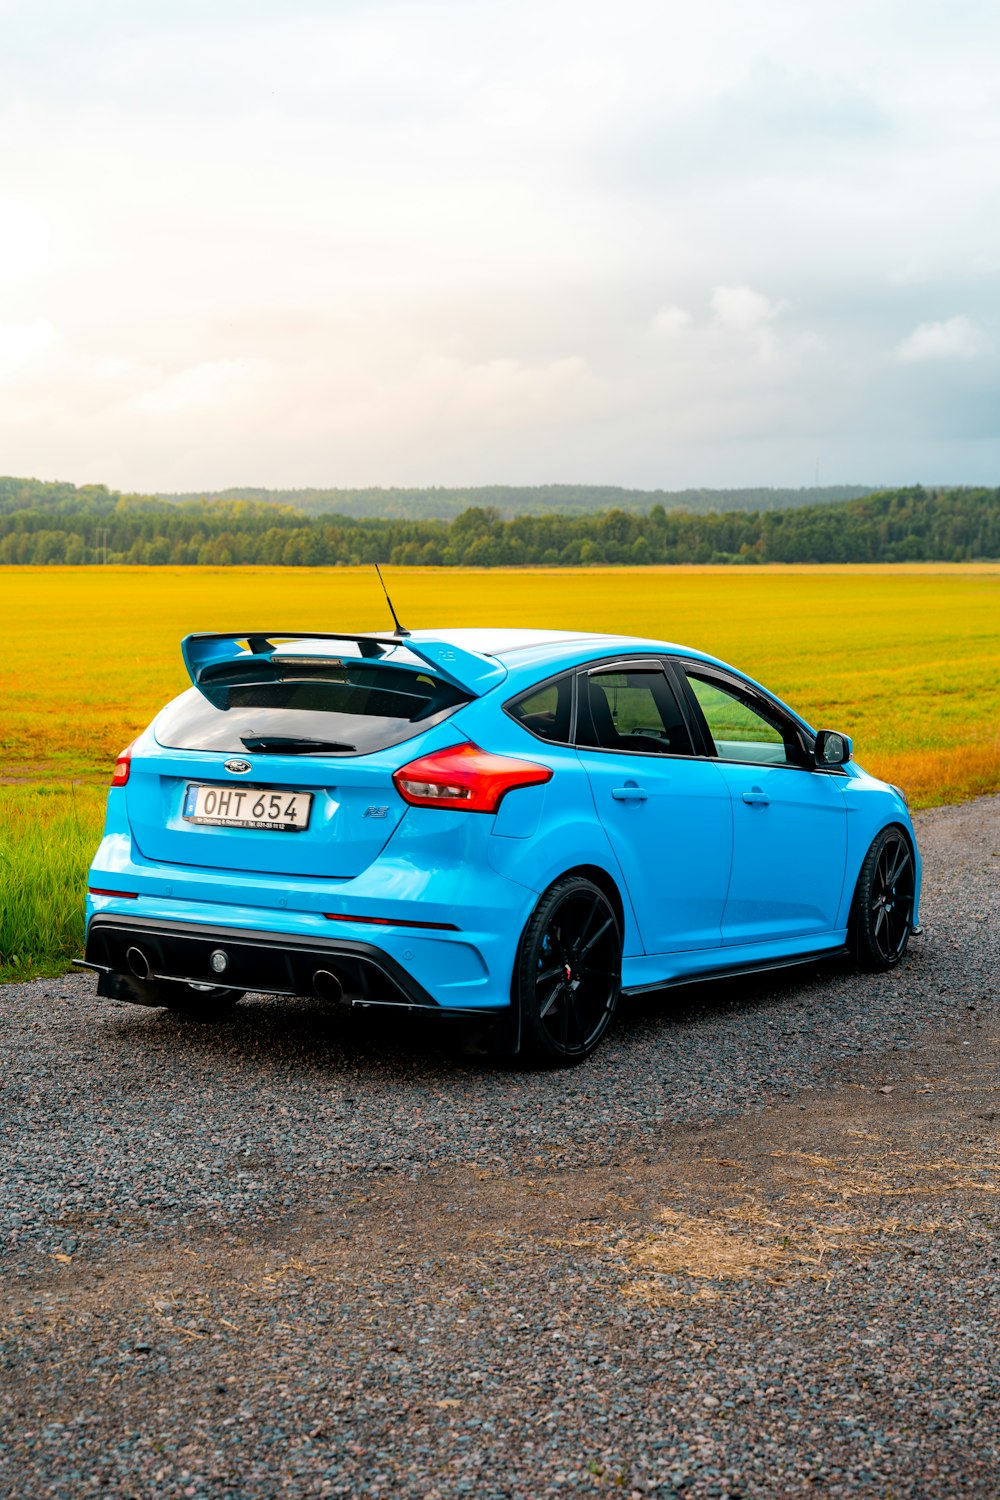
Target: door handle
756	798
629	793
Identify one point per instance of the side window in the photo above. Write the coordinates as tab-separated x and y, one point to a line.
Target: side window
744	730
545	711
633	711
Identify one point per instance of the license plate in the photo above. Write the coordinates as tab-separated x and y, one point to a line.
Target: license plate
247	807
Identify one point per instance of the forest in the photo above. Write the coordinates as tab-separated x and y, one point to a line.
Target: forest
439	503
55	523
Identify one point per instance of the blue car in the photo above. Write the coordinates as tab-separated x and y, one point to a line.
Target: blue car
514	825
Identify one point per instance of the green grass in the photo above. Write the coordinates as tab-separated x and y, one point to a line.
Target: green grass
47	839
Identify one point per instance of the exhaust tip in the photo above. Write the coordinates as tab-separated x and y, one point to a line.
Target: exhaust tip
138	963
327	986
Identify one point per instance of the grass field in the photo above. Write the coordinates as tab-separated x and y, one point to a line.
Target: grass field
906	659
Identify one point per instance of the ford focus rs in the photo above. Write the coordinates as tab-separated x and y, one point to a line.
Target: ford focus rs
513	825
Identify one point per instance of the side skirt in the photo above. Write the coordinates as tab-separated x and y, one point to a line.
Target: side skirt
732	971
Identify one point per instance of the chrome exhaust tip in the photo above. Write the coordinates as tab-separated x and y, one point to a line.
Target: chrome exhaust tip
327	986
138	963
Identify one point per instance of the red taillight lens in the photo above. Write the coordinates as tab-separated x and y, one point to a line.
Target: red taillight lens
466	777
122	766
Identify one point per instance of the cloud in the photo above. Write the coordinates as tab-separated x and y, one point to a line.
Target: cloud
955	338
208	387
670	319
294	242
741	311
743	308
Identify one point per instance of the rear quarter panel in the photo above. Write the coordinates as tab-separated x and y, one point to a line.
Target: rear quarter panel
542	832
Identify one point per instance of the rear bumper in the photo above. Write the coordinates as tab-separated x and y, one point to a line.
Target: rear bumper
136	954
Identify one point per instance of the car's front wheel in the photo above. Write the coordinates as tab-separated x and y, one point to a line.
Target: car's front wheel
568	973
883	902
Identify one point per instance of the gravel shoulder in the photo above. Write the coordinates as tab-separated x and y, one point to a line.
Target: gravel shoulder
750	1248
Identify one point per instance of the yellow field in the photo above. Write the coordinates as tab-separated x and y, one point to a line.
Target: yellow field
907	659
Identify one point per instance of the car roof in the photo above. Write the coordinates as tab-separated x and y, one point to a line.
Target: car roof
504	642
519	649
523	652
533	648
520	652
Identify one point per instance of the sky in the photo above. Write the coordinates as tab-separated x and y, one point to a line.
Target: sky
467	242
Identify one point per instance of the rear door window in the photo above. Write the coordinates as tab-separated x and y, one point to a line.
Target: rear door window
632	710
348	707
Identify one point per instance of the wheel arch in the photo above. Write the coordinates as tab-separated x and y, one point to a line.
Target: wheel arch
569	848
604	882
863	828
597	876
851	895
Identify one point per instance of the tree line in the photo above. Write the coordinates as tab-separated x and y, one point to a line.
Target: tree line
52	524
439	503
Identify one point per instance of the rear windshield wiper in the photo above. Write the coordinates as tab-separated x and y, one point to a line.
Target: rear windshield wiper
290	744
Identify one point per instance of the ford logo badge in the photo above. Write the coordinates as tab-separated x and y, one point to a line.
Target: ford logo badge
238	767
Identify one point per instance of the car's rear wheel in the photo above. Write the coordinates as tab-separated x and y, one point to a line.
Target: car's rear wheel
200	1002
569	973
883	902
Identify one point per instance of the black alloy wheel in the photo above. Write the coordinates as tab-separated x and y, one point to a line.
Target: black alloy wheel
568	974
883	902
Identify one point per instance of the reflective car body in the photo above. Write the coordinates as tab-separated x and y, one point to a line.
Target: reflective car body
671	781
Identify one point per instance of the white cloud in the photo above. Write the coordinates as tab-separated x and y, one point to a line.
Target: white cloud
955	338
741	311
741	307
208	387
669	320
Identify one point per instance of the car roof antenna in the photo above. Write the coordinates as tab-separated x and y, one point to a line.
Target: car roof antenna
395	618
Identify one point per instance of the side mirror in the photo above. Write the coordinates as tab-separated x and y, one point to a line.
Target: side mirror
832	748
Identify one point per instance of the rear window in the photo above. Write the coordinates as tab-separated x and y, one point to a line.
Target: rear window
360	707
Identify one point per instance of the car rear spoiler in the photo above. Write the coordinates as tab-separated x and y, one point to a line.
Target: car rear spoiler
208	656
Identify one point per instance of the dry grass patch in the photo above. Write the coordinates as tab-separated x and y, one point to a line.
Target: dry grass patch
820	1219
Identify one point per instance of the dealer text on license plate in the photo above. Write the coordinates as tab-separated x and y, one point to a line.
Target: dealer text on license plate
247	807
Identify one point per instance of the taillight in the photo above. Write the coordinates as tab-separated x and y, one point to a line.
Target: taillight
466	777
122	766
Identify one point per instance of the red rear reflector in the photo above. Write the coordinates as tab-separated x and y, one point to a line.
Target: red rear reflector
122	766
463	776
341	916
93	890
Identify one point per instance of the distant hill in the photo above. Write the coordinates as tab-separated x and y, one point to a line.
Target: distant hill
59	523
526	500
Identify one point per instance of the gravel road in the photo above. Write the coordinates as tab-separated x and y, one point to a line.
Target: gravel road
749	1249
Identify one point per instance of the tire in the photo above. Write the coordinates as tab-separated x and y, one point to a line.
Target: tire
568	974
883	902
199	1002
